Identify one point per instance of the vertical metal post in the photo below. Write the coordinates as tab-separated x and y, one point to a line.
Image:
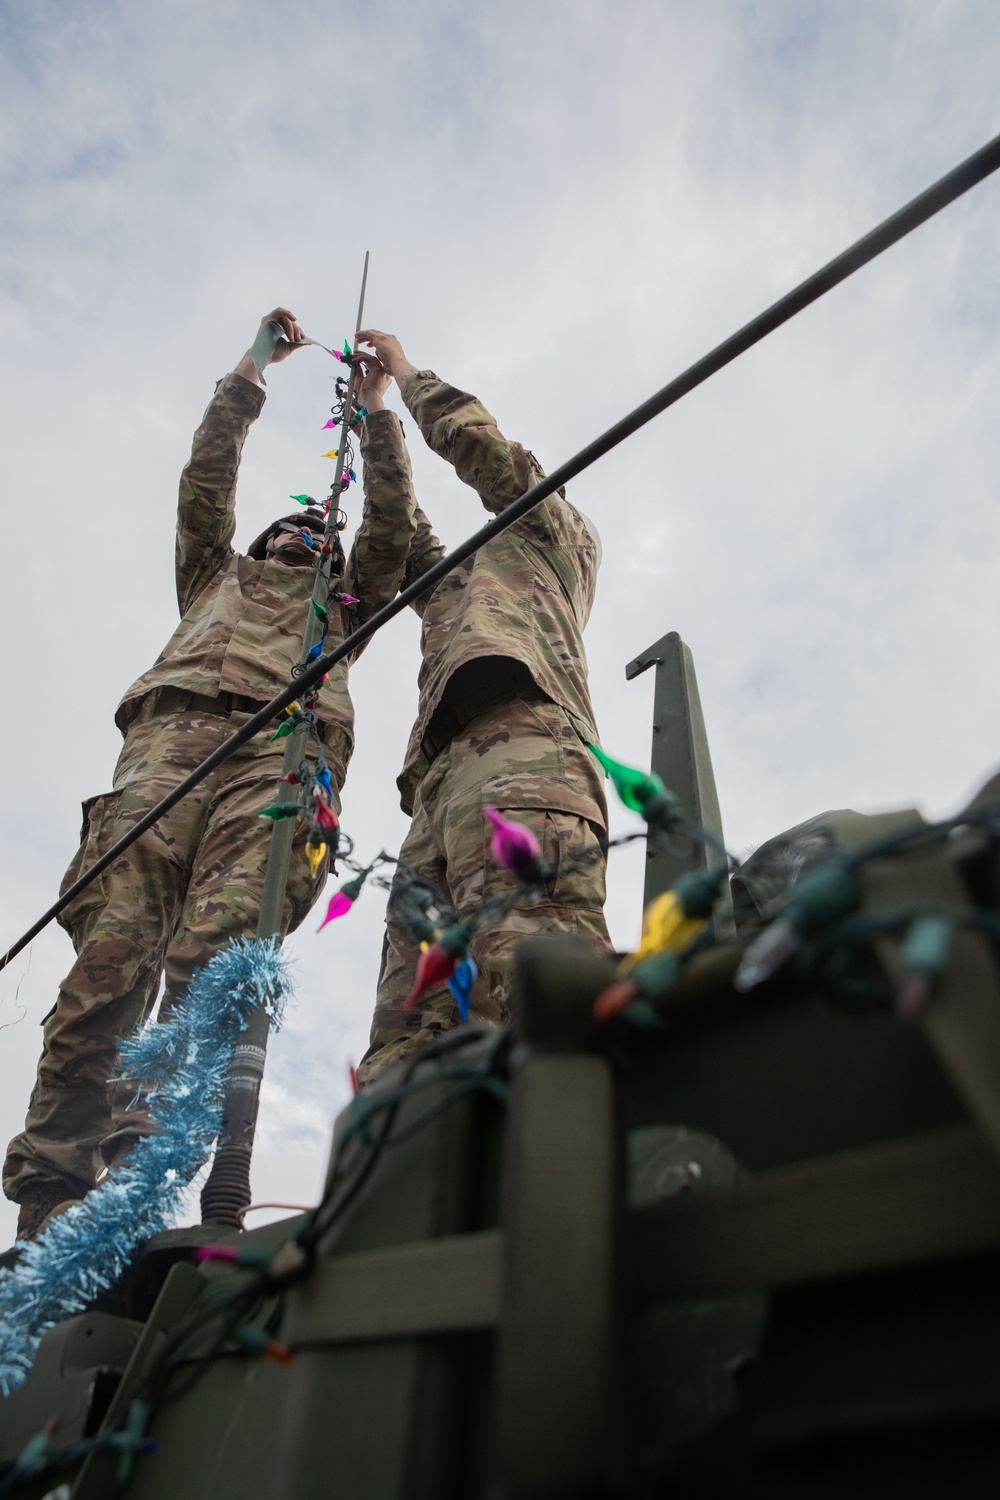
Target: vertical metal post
227	1189
681	758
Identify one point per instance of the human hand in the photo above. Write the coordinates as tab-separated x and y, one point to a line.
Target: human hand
389	352
374	383
293	338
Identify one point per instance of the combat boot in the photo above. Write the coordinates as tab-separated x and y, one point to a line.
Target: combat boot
40	1203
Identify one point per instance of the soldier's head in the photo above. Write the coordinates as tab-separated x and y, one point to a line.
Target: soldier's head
295	540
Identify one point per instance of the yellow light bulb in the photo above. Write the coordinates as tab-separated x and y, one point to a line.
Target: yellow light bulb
665	925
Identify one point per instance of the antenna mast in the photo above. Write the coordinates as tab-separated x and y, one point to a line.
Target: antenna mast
227	1189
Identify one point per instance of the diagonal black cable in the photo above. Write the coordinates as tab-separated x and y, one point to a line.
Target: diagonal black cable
896	227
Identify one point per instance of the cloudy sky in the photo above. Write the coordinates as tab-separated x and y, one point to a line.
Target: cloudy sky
566	203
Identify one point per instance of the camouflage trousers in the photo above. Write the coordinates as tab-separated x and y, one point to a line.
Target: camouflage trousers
525	758
180	892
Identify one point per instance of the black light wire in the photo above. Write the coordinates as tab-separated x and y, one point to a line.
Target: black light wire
229	1304
921	208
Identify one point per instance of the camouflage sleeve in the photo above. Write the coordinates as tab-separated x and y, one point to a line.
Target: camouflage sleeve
206	507
459	428
377	564
394	543
425	551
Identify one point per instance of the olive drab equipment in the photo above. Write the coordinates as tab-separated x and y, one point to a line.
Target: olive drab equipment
750	1251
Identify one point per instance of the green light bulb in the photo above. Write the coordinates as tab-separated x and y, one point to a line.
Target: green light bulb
635	788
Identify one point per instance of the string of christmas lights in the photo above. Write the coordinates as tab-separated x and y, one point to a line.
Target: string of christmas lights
818	928
315	796
445	935
314	799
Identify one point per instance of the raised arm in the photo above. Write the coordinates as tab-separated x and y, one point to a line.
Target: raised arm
394	543
206	509
460	428
425	550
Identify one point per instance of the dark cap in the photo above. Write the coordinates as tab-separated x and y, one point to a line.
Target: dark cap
308	517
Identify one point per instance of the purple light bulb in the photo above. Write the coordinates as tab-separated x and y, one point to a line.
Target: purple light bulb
513	846
339	906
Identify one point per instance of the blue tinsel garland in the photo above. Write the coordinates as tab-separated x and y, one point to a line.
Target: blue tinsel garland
182	1067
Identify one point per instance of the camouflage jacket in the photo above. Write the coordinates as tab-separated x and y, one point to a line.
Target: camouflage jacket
527	594
242	620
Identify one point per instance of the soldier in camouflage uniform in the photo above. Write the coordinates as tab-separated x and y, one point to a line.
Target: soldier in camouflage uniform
194	880
504	715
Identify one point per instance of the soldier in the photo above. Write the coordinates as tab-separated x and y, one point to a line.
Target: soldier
194	880
504	715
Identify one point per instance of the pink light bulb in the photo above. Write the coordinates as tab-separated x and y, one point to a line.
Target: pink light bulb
513	846
339	906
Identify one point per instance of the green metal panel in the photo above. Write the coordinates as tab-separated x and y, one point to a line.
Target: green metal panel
817	1340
